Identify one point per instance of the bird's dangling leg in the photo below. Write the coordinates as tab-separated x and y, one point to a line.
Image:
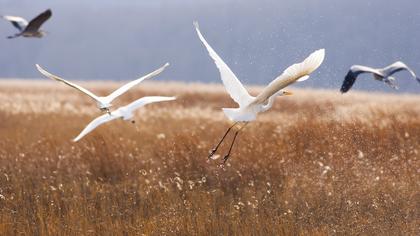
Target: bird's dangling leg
213	151
391	82
226	157
13	36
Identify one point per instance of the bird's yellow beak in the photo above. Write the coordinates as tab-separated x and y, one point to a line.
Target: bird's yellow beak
287	93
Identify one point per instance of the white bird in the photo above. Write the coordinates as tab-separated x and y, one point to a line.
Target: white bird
125	113
382	74
104	103
31	29
250	106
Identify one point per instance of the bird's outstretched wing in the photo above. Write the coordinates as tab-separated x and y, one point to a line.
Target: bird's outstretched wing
351	76
17	21
348	82
233	86
295	72
95	123
129	85
54	77
36	23
399	66
146	100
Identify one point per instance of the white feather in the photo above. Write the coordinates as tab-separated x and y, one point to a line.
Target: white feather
232	84
292	74
125	112
104	102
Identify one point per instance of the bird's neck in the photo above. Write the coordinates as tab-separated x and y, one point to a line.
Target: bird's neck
269	103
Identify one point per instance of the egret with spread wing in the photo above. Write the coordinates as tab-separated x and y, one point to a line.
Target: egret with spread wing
125	113
104	103
382	74
250	106
29	29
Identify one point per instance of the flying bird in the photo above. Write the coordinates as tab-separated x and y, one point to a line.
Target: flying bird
104	103
125	113
31	29
382	74
250	106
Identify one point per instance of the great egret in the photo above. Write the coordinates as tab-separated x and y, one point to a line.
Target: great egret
382	74
104	103
250	106
125	113
31	29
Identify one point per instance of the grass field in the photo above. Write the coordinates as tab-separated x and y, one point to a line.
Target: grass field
319	163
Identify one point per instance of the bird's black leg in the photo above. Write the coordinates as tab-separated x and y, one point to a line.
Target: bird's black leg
213	151
13	36
226	157
391	83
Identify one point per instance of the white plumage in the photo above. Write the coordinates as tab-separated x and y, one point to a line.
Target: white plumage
250	106
125	113
104	103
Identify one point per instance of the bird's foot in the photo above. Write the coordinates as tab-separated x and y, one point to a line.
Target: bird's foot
394	86
391	83
133	121
225	158
211	153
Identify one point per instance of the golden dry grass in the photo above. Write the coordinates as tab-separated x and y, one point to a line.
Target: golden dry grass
319	163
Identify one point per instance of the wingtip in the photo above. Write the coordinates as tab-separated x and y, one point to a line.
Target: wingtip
315	59
196	25
38	67
167	64
321	52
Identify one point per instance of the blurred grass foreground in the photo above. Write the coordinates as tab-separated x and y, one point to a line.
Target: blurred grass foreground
319	163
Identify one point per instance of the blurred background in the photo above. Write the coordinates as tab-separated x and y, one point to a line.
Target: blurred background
258	39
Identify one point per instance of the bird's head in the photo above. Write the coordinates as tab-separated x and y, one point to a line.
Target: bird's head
105	109
41	33
104	106
285	93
